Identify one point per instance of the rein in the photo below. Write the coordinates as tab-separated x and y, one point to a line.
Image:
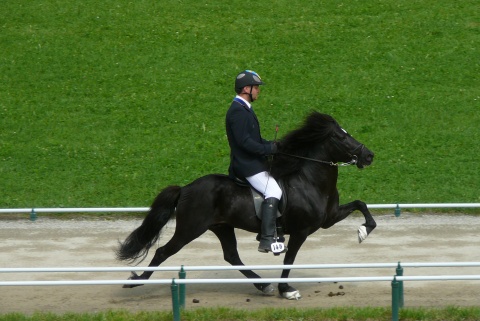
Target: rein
352	162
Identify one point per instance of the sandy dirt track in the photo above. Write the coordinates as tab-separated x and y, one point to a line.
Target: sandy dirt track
89	243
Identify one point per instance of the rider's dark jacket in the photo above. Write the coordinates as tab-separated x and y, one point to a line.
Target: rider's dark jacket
248	150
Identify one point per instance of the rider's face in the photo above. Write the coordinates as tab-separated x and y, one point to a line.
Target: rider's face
255	91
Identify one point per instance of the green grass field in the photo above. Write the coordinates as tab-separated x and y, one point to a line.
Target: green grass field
229	314
105	103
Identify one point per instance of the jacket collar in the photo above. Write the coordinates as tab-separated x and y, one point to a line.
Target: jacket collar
243	101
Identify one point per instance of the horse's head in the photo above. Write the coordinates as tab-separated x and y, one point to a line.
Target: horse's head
343	147
319	141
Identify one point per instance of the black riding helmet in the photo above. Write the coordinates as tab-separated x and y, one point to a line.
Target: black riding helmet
247	78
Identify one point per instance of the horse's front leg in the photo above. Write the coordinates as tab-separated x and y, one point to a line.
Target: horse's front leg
369	224
346	209
294	243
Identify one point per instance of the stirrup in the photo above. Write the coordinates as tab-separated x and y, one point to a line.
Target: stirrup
281	238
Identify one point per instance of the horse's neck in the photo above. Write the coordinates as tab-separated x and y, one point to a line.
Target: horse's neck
321	177
327	179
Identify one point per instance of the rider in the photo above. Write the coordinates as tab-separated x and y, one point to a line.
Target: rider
248	151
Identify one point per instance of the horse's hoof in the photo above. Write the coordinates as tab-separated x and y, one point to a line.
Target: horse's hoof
269	289
133	276
362	234
131	286
294	295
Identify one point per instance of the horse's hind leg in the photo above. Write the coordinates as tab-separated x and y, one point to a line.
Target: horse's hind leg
176	243
226	235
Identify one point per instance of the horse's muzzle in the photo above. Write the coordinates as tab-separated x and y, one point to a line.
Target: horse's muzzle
365	159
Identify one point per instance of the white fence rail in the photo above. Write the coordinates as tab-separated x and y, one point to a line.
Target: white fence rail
33	211
243	281
242	267
426	205
74	210
145	209
178	285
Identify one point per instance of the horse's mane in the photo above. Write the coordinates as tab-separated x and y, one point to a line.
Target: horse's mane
301	142
316	128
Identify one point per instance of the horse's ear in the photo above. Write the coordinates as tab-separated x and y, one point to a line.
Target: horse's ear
316	119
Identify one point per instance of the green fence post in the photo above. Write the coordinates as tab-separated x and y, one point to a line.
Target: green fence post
33	215
395	296
175	306
397	211
182	287
400	286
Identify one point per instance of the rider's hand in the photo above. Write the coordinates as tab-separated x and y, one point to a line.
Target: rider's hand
274	148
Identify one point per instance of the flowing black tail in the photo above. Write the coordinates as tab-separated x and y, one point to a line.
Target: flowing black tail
138	243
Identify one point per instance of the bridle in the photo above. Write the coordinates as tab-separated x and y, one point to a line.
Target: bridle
352	162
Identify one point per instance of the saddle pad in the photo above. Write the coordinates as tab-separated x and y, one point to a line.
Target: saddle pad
258	200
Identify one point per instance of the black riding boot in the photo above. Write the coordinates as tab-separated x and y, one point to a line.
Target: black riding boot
269	218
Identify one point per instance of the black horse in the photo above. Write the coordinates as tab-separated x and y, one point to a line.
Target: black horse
307	164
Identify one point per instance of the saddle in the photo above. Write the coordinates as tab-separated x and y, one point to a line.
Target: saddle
258	197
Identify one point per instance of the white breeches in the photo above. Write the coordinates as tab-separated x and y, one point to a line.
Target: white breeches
265	184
